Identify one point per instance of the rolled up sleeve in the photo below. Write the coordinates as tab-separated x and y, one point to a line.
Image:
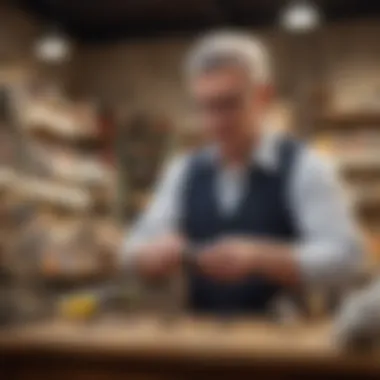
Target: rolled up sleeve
163	214
330	248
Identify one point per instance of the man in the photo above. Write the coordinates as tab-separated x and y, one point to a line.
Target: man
261	212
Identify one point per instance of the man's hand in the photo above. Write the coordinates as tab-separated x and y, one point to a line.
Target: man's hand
235	258
230	259
161	257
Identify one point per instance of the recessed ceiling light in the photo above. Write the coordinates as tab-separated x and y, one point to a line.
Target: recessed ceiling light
53	47
300	16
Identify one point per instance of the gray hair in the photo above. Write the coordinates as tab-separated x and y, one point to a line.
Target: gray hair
224	48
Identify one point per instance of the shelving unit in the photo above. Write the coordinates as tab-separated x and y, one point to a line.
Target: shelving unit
71	234
143	145
352	142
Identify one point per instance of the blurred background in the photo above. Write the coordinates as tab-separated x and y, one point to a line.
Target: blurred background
92	103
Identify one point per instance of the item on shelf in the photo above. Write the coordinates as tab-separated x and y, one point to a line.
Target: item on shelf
35	189
64	120
7	178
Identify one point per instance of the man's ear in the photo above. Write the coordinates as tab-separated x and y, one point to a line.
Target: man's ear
263	97
267	93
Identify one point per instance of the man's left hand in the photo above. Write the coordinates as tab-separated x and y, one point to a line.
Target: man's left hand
230	259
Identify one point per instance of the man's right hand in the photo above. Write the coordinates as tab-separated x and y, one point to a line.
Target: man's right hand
160	258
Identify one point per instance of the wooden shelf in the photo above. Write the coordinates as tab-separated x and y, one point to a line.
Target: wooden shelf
365	118
357	161
351	140
52	192
60	121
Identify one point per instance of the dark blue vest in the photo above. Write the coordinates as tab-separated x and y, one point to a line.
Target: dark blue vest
262	213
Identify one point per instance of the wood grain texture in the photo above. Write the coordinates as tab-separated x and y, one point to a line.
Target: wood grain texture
146	348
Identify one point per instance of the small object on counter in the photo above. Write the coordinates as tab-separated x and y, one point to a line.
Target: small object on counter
357	326
85	305
79	306
284	310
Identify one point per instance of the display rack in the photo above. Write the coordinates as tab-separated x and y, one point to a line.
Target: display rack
70	187
351	140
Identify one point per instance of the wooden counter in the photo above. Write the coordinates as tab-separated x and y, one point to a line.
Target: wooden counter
146	348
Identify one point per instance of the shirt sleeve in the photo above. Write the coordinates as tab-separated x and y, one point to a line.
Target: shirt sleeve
163	214
330	249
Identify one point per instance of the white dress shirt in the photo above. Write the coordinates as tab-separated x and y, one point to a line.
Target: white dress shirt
329	249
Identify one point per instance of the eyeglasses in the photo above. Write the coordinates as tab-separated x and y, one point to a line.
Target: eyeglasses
221	103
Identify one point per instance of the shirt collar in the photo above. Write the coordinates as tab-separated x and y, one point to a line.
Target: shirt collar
265	155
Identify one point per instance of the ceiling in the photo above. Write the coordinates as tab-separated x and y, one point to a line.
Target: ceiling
103	20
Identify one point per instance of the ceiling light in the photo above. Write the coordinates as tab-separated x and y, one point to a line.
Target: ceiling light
53	47
300	16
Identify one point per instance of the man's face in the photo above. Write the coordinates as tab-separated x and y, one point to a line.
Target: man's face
227	104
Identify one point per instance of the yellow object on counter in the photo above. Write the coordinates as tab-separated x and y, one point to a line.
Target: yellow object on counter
82	306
